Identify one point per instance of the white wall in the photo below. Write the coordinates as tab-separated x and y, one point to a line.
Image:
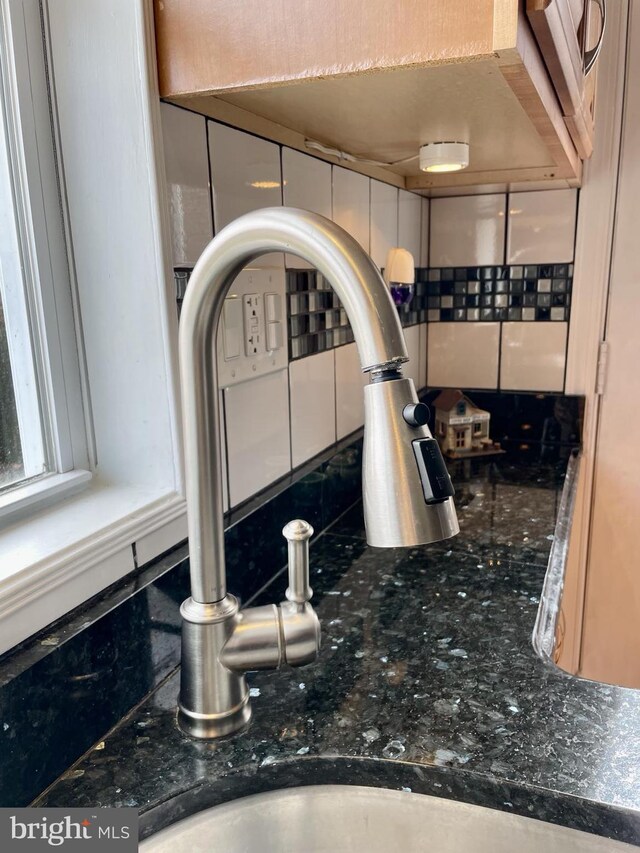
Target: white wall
107	112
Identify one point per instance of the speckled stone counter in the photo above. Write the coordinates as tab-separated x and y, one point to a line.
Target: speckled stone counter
427	681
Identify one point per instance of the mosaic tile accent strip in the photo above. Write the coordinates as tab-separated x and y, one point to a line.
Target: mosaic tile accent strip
532	293
315	316
318	322
539	292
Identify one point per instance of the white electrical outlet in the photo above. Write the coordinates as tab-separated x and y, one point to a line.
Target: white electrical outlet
274	326
253	324
252	338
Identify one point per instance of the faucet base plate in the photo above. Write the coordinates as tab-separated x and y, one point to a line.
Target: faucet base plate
210	726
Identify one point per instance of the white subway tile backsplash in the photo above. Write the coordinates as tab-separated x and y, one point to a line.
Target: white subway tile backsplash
411	369
384	221
533	356
467	231
424	330
313	405
187	170
287	417
245	172
257	427
350	382
409	223
541	227
463	355
307	185
351	204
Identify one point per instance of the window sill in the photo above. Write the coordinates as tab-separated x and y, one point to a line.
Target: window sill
16	502
64	554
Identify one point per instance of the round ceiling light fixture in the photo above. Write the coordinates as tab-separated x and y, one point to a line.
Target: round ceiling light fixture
444	156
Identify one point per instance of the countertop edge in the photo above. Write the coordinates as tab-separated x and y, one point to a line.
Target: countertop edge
475	788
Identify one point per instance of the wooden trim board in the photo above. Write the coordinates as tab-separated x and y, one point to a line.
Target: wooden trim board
214	46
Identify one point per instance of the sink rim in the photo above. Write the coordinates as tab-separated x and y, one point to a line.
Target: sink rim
363	800
616	823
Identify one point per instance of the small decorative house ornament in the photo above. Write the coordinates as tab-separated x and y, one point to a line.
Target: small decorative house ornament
462	429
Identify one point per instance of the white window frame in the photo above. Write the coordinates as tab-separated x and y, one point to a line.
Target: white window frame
105	100
43	346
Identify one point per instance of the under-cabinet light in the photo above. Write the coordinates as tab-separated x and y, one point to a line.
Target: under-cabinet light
444	156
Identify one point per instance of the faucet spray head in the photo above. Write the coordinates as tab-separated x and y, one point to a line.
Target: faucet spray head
407	491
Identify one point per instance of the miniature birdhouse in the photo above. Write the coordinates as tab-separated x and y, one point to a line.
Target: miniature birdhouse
462	429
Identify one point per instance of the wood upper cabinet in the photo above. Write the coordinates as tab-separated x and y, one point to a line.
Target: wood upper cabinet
375	79
568	36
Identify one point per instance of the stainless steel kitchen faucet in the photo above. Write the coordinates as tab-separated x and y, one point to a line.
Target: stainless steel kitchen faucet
406	488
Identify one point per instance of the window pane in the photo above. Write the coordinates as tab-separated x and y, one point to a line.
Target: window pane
22	446
11	467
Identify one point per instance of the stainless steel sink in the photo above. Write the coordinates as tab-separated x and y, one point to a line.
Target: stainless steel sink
337	818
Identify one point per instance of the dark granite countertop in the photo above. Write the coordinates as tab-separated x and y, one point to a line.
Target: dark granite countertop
427	680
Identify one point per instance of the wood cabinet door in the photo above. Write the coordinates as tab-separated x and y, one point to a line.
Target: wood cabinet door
558	26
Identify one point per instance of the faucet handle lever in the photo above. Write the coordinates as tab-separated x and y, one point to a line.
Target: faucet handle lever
297	533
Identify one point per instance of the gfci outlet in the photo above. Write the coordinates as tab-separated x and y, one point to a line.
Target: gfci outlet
253	324
252	336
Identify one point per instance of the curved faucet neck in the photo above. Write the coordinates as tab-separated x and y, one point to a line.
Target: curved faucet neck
371	312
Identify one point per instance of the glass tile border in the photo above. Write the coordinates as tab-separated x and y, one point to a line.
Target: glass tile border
528	293
316	320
